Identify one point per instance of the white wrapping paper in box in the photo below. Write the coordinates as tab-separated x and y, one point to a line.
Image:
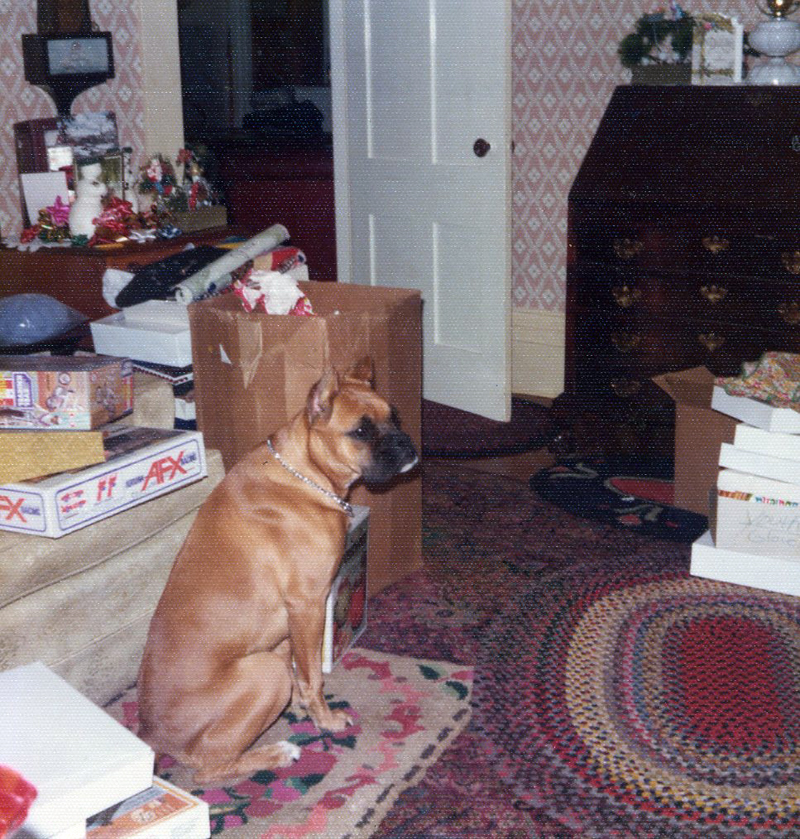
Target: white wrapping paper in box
80	760
155	331
141	464
753	412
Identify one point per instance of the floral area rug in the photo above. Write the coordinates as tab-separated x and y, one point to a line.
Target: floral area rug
406	712
624	493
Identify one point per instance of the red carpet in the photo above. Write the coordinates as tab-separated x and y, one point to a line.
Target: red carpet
449	432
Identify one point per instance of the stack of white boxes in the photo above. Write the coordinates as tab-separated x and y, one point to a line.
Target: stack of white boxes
93	777
756	527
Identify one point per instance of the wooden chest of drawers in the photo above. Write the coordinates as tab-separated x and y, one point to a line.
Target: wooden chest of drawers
683	242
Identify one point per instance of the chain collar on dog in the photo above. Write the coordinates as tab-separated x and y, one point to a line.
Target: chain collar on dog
345	505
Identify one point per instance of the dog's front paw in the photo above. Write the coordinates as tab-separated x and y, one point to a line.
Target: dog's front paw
330	720
291	753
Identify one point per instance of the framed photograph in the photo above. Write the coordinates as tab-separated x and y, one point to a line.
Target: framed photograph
79	55
112	165
717	46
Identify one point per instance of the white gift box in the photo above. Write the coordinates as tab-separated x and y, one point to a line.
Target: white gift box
160	340
771	573
141	464
758	515
753	412
80	760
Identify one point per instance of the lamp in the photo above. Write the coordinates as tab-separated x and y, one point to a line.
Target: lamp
776	38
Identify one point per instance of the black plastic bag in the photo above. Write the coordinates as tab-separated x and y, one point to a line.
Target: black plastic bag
158	280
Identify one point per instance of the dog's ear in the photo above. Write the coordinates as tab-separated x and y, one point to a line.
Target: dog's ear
363	371
320	399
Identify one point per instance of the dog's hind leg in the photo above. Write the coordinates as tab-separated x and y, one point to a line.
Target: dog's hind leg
245	700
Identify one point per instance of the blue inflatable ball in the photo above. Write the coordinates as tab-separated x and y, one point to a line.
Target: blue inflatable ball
31	318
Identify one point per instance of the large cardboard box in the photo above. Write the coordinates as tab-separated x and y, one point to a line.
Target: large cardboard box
253	372
80	760
699	433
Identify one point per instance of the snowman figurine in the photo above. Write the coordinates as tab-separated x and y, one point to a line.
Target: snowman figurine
88	205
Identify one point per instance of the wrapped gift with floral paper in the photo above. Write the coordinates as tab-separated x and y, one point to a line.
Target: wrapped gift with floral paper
773	379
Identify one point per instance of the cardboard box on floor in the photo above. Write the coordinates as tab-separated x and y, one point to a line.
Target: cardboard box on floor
699	433
253	372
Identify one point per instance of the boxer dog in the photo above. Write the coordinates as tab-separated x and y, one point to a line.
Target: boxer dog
238	630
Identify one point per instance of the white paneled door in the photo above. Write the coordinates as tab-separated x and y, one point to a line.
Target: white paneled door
421	120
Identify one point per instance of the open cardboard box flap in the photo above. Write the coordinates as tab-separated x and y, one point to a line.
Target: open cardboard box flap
699	433
688	387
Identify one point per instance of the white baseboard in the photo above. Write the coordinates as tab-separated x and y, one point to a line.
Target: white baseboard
537	360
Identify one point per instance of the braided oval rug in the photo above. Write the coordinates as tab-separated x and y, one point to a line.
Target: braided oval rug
637	701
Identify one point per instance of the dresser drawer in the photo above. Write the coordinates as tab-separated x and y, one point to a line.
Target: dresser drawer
703	298
677	245
620	345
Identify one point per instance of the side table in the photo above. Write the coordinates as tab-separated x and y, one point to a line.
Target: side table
74	275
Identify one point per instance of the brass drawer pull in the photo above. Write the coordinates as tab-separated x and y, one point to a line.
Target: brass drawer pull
625	387
625	296
791	261
625	341
711	341
713	293
790	313
716	244
628	248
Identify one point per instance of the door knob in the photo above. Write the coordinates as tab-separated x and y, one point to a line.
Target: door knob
481	147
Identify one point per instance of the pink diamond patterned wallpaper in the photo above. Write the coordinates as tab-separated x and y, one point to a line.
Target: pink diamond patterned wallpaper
565	67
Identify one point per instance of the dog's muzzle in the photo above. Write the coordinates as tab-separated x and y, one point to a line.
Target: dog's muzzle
393	454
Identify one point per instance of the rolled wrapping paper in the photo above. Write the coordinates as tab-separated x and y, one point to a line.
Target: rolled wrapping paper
217	274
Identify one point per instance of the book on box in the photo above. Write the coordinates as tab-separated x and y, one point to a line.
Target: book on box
770	573
80	759
346	606
163	811
141	463
758	515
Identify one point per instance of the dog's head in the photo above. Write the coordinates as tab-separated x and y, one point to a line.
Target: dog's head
354	431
